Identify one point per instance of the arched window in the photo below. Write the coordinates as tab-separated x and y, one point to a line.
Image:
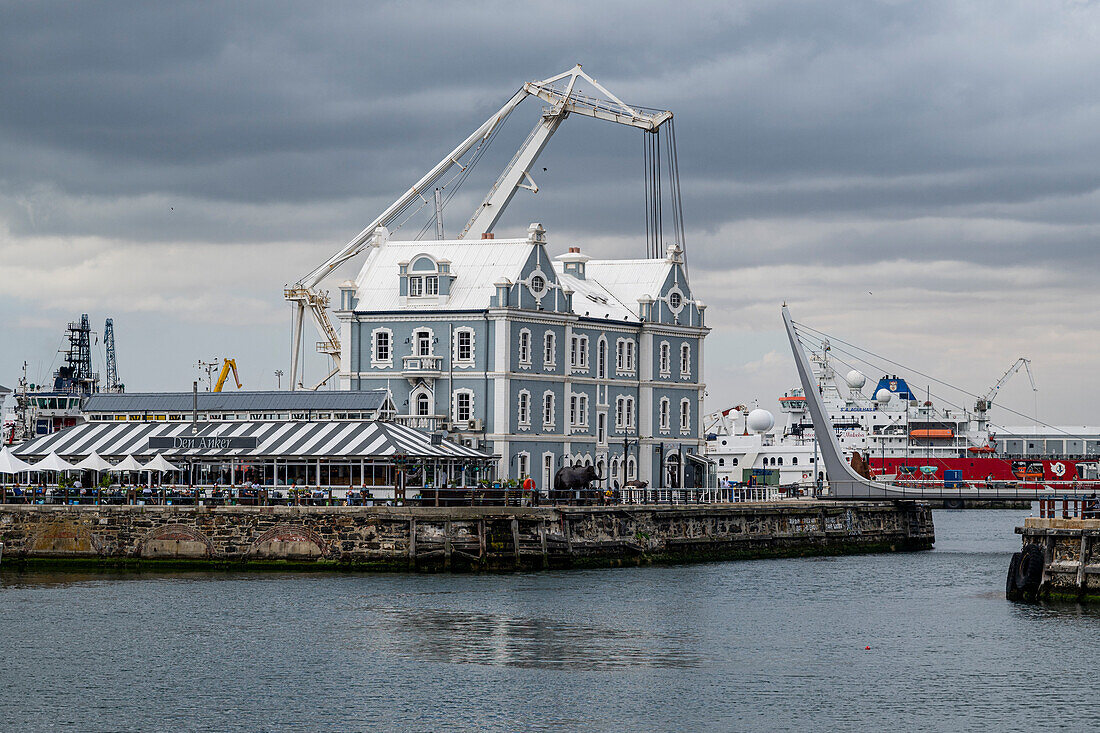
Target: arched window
685	361
601	362
780	460
631	469
721	461
423	405
685	416
734	461
664	414
548	410
794	460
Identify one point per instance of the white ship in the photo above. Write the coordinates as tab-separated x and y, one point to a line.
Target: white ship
899	433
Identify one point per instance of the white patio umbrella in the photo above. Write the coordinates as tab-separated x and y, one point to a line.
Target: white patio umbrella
159	464
53	462
94	463
10	464
129	463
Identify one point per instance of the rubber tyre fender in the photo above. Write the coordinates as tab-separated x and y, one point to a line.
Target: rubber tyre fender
1029	572
1011	592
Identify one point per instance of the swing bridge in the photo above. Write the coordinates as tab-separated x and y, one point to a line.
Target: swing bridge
846	483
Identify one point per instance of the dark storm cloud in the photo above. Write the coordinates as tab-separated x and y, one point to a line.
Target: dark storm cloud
882	110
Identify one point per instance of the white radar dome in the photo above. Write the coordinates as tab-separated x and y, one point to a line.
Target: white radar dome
855	379
883	396
760	421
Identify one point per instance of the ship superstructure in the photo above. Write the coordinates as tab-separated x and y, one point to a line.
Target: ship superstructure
41	409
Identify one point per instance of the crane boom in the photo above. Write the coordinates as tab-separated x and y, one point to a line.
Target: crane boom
516	174
986	401
227	364
304	295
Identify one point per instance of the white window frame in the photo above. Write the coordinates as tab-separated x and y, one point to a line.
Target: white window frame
665	359
547	470
620	406
582	351
431	285
416	286
456	354
578	410
376	362
685	415
416	341
525	348
685	360
553	409
523	464
523	410
454	404
549	351
629	410
625	357
663	415
631	468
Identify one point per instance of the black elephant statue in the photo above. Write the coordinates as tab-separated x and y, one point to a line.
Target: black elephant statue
572	482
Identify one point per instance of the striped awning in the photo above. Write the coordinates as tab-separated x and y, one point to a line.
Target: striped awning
333	440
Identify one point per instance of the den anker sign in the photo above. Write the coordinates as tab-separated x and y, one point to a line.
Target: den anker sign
196	442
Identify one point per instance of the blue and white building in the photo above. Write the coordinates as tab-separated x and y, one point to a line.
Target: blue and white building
541	360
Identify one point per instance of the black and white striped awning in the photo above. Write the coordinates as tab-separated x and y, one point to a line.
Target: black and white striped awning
334	440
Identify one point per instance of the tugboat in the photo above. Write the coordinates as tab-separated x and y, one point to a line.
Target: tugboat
42	409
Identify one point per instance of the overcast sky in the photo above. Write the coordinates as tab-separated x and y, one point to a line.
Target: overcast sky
920	178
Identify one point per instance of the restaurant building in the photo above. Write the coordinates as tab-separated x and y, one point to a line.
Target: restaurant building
337	440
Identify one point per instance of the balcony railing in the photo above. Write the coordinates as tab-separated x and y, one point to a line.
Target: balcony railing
421	422
422	364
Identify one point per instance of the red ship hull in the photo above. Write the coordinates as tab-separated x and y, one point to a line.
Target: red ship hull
982	469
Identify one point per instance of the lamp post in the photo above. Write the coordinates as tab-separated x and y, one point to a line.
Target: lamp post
278	379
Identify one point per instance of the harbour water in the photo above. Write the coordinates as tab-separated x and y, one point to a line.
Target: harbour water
761	645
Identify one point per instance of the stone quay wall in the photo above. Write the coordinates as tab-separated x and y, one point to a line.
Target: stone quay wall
428	538
1070	559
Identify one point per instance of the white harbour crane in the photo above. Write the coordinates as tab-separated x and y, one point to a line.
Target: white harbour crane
564	99
985	402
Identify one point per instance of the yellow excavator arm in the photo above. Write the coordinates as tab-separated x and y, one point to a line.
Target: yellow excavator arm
227	364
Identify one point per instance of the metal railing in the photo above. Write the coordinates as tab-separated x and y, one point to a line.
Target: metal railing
1072	507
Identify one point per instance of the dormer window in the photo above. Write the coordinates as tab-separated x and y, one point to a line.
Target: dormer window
423	285
423	275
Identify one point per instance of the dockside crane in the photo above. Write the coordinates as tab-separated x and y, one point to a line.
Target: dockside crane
564	99
113	385
985	402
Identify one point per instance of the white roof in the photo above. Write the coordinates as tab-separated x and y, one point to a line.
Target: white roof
590	298
629	280
610	290
476	264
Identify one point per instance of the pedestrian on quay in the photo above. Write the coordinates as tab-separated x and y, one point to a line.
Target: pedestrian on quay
530	491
